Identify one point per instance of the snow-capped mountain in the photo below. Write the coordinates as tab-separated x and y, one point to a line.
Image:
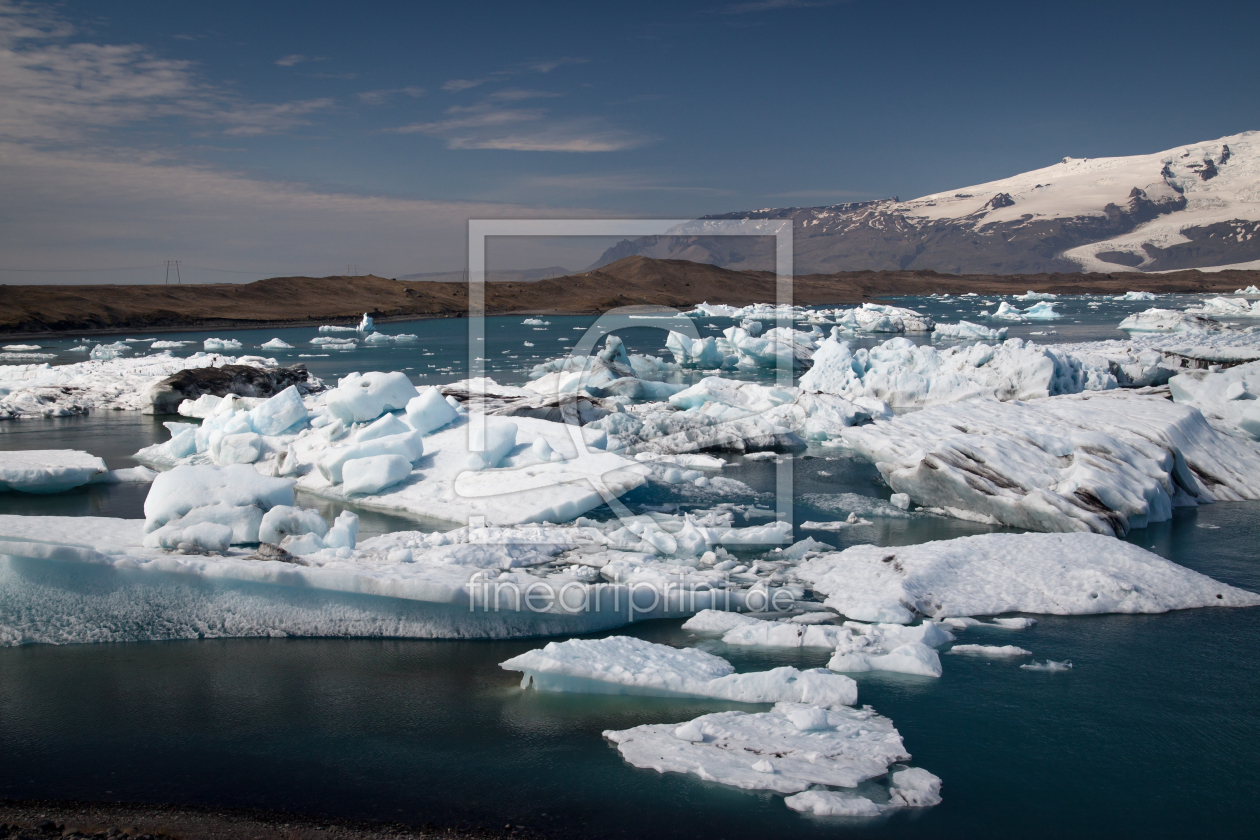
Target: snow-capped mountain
1196	206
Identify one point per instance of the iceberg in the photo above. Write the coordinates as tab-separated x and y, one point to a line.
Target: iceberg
1043	311
1101	463
221	344
698	352
1168	321
48	470
1006	312
365	396
789	749
628	665
991	574
176	493
1227	307
1229	397
966	331
994	651
277	344
1031	296
42	390
912	787
1136	296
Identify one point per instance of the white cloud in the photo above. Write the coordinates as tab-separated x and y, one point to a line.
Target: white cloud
456	85
376	97
290	60
487	125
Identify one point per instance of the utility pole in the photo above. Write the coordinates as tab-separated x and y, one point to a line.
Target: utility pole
352	269
173	264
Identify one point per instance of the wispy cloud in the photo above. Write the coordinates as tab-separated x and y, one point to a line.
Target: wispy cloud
290	60
56	89
487	125
517	95
376	97
456	85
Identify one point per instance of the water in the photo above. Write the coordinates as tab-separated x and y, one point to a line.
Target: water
1154	732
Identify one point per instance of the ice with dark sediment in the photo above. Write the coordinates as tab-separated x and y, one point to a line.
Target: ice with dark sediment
1105	463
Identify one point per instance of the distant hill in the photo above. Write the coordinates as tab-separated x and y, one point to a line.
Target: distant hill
526	275
292	301
1195	206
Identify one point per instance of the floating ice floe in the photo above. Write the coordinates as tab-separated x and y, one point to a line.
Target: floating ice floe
993	651
628	665
878	318
791	749
535	322
1230	397
331	343
217	345
966	331
108	352
41	390
20	348
1031	296
1250	290
48	470
1049	665
376	338
1006	312
1136	296
1227	307
1102	463
277	344
990	574
169	345
1168	321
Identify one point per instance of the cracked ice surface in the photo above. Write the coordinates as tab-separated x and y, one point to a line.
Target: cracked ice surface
787	750
1105	463
990	574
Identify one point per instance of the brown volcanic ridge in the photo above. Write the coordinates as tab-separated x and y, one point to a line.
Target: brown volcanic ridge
292	301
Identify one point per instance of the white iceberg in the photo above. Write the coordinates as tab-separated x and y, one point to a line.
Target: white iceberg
48	470
802	745
1227	307
221	344
277	344
360	397
1031	296
1101	463
1043	311
1136	296
966	331
990	574
1230	397
993	651
627	665
909	788
1168	321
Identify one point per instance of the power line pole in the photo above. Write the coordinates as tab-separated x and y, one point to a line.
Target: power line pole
352	269
173	264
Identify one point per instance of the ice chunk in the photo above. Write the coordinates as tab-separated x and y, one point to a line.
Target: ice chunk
626	665
1043	311
1006	312
409	446
854	746
184	488
1136	296
909	658
361	397
1102	463
1228	307
1169	321
108	352
242	520
1030	295
997	651
1230	396
218	345
784	634
991	574
717	621
242	448
285	520
48	470
698	352
489	445
429	412
374	473
1013	623
1049	665
344	532
367	324
387	426
965	330
277	344
195	539
279	414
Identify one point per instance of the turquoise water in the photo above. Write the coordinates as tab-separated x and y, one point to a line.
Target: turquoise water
1155	732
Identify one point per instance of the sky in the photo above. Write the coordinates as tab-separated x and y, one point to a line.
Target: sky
256	139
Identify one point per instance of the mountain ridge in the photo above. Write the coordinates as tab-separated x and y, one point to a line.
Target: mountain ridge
1195	206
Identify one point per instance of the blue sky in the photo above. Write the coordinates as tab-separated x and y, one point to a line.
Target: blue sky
286	137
